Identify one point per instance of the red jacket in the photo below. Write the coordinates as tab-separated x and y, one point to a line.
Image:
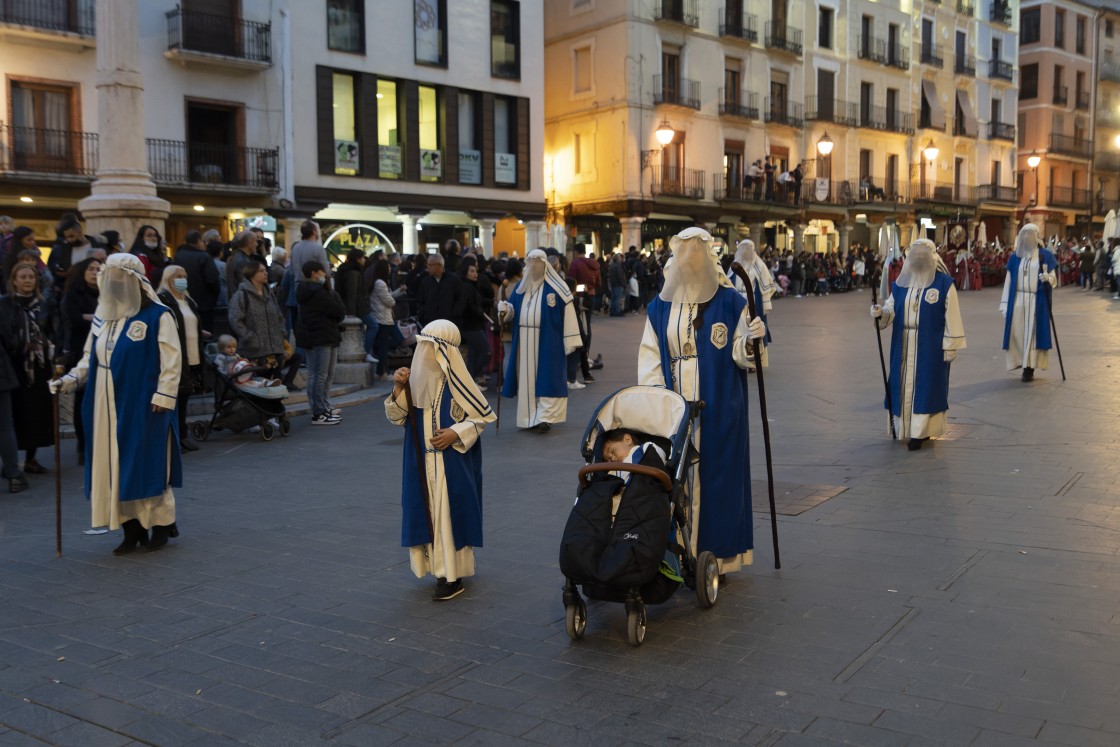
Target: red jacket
585	272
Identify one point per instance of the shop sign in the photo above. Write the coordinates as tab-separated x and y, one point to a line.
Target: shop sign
389	159
470	167
820	190
431	164
505	168
346	155
356	236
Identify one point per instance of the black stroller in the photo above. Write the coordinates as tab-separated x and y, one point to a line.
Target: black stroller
238	408
623	558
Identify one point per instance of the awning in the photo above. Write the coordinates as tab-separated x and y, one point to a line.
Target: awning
936	113
969	115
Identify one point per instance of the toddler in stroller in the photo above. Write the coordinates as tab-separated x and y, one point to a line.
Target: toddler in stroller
235	367
621	542
242	401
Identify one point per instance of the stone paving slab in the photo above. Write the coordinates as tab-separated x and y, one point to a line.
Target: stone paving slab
962	594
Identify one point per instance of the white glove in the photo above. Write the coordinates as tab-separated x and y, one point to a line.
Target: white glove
950	356
504	307
757	328
1048	277
64	385
876	311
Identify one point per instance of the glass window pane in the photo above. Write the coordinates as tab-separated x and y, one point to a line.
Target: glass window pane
345	25
431	159
388	133
345	131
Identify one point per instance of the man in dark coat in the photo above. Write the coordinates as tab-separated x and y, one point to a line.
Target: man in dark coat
438	296
203	282
317	332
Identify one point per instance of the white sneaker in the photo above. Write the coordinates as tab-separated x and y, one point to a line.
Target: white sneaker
371	359
335	412
576	385
324	420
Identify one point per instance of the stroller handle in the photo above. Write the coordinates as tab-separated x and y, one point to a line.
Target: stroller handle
640	469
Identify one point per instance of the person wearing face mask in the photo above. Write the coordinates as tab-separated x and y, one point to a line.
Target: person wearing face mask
174	295
151	250
545	332
321	310
925	316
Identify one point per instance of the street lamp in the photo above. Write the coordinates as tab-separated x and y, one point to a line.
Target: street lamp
824	148
824	145
930	151
664	134
1033	160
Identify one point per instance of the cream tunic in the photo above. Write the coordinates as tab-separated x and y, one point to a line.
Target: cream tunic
531	409
1021	351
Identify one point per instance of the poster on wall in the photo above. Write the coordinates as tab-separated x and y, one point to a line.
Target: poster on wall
820	190
346	155
505	168
431	164
428	46
470	167
389	159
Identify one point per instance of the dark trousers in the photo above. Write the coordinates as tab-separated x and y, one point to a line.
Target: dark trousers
79	420
9	452
388	337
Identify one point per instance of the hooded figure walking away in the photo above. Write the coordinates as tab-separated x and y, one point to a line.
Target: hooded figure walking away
1025	304
443	516
925	314
697	343
130	367
545	331
763	281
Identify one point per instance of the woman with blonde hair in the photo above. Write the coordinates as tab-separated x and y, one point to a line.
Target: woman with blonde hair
173	294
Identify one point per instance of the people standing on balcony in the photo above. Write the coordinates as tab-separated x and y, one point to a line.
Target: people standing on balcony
768	173
79	302
70	247
798	177
785	187
756	176
204	283
1025	304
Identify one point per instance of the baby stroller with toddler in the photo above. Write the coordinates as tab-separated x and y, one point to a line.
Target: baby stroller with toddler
239	407
637	550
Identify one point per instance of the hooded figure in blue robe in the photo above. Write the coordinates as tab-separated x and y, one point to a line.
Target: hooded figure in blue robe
759	273
1025	304
926	332
442	516
697	342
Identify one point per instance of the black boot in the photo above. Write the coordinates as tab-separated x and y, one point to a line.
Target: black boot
134	534
914	444
1028	374
160	534
172	530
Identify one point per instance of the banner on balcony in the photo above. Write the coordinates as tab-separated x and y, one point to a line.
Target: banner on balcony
346	156
389	160
431	164
470	166
505	168
820	190
425	14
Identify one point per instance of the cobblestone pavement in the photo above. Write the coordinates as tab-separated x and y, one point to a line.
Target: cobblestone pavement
965	594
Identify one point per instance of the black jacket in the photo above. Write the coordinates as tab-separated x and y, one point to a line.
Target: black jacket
169	301
350	284
203	282
78	301
473	310
440	299
320	313
9	349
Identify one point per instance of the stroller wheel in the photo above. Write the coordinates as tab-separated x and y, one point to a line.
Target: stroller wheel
268	432
199	430
707	579
636	623
575	619
285	426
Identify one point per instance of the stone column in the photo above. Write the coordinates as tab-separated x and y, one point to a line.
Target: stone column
799	238
123	196
843	228
631	233
291	232
558	236
536	236
352	367
758	235
409	230
486	233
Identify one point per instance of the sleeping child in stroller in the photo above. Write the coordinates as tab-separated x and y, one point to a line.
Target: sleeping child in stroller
231	364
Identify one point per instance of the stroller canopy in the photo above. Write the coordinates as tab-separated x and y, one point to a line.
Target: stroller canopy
653	410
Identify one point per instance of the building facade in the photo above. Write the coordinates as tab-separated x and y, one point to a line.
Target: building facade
1106	116
856	93
389	119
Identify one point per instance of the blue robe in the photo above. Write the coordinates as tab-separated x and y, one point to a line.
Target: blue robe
726	522
463	474
552	366
142	435
931	374
1041	304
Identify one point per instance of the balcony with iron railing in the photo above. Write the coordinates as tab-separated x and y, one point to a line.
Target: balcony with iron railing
1071	145
871	48
217	40
729	189
965	64
886	120
1108	163
213	167
783	113
1061	95
58	24
1001	131
738	26
56	154
966	7
783	37
674	181
931	55
994	193
1000	70
1082	100
676	92
679	11
960	129
831	109
1070	197
742	104
943	193
1000	12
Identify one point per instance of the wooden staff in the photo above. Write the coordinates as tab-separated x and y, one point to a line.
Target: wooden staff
1054	327
418	445
501	377
757	345
57	481
883	363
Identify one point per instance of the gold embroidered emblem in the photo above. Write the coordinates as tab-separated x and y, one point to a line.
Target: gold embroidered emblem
719	335
551	299
688	349
137	331
932	295
457	412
